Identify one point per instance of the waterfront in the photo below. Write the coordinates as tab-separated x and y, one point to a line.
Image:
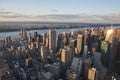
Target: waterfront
15	34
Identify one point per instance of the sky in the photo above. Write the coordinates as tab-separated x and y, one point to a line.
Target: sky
95	11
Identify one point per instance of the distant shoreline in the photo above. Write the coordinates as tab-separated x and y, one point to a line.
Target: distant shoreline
16	26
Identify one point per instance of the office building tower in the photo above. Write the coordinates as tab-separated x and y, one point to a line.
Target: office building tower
76	51
38	39
76	65
44	38
52	39
85	37
73	43
23	34
6	40
118	34
66	41
56	68
86	66
9	39
44	53
94	41
47	42
52	55
85	50
92	74
115	52
70	50
59	42
65	57
29	38
105	53
79	43
109	35
35	36
36	45
71	53
98	65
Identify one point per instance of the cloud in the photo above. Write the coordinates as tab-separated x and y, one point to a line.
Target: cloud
110	18
8	14
54	10
1	9
5	12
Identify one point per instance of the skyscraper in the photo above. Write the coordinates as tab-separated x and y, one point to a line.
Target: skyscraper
92	74
52	39
44	38
35	36
115	52
29	38
85	50
109	35
23	34
79	43
44	52
85	37
105	53
76	65
59	42
65	57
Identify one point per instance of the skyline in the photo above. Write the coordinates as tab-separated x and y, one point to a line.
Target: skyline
60	11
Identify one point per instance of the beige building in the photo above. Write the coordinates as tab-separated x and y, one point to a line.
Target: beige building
65	57
92	74
79	43
43	53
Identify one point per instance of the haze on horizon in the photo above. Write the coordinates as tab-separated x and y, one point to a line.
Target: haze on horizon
94	11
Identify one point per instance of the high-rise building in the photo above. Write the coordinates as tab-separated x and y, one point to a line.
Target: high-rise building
66	41
73	43
44	53
85	37
6	40
35	35
92	74
109	35
105	53
23	34
59	42
86	64
47	42
52	39
29	38
85	50
44	38
52	55
76	65
115	52
71	53
65	57
79	43
56	68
